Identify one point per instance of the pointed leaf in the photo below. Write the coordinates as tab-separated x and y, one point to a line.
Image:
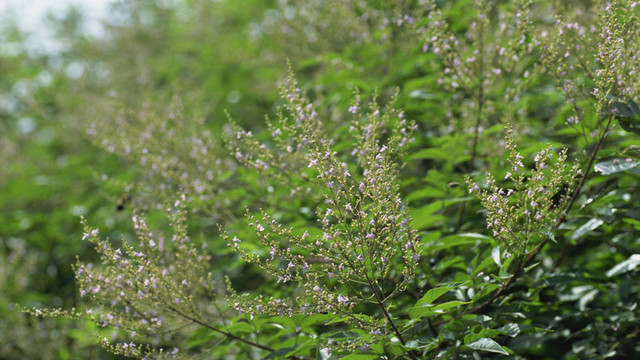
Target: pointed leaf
495	254
433	294
489	345
511	329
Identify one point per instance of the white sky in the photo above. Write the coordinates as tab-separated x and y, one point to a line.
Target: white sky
29	15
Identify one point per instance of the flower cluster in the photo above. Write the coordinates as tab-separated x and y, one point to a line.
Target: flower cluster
173	149
307	28
364	237
492	49
485	70
147	289
592	54
522	215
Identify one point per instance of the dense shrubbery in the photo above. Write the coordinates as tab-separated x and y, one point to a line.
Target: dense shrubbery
435	180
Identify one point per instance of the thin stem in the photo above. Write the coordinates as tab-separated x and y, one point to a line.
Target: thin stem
532	255
567	245
225	333
388	317
476	130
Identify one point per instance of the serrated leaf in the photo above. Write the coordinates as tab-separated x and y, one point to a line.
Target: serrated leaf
615	165
631	263
489	345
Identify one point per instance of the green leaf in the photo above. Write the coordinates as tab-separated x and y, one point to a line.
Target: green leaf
422	94
495	254
615	165
590	225
511	329
433	294
622	110
489	345
448	305
360	357
456	240
419	312
302	349
631	263
628	115
629	126
483	265
432	153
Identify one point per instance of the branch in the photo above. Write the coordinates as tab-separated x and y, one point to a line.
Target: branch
225	333
532	255
388	317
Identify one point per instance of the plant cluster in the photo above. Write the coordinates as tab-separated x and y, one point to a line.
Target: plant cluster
341	223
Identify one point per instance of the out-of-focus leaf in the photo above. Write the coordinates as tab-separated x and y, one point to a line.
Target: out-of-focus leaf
631	263
495	254
628	115
590	225
614	166
455	240
422	94
489	345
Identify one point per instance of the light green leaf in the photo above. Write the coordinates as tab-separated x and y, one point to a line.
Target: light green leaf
631	263
588	226
448	305
360	357
489	345
433	294
511	329
495	254
456	240
432	153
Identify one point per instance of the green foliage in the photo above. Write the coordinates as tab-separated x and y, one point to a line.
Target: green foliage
342	223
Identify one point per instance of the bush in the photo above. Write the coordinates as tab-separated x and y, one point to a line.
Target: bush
435	180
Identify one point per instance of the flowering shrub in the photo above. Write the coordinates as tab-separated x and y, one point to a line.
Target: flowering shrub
365	233
346	232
